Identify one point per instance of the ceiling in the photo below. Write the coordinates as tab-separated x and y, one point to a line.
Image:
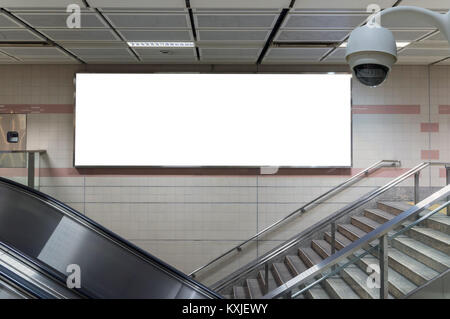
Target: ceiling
224	31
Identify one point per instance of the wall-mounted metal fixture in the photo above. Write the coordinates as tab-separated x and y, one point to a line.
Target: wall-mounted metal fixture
12	137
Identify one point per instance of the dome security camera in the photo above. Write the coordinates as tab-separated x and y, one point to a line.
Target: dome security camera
371	52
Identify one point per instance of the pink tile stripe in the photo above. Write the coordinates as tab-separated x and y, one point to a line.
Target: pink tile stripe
429	154
429	127
386	109
136	172
444	109
442	172
36	108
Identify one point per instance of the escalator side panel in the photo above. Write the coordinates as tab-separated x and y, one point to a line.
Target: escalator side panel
35	226
110	266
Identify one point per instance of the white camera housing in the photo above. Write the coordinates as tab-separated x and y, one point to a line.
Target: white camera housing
371	52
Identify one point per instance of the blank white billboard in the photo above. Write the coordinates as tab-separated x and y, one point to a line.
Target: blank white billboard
291	120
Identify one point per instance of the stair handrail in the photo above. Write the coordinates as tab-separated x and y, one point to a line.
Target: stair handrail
348	250
374	167
324	222
335	270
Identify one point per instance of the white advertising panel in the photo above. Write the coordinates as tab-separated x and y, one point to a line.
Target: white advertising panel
294	120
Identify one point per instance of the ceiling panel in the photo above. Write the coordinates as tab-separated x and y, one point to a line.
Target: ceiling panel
445	62
149	21
408	35
292	55
403	21
6	22
156	35
169	59
144	10
359	5
164	52
437	37
337	56
39	55
229	55
59	20
110	60
137	3
49	60
228	60
230	52
40	3
65	35
430	4
417	60
18	35
415	52
323	21
230	21
5	58
311	35
244	4
102	53
232	35
429	44
34	52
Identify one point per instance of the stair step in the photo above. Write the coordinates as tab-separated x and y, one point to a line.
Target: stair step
427	255
321	247
309	256
364	223
337	288
399	286
438	222
412	269
394	208
350	231
316	292
295	265
378	215
254	289
262	281
431	237
341	240
357	280
240	292
281	273
226	296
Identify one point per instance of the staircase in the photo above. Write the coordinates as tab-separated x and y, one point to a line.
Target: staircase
414	258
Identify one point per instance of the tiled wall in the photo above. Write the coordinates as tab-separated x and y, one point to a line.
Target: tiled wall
187	220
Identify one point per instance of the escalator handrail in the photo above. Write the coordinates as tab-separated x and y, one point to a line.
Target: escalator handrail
23	284
135	249
46	270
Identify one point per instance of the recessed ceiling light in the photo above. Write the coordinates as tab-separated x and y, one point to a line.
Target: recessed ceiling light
161	44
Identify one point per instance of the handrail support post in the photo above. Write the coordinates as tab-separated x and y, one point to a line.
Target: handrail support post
333	240
416	187
447	178
31	169
384	268
266	278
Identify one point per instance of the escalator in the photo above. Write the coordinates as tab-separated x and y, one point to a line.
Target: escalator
43	240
